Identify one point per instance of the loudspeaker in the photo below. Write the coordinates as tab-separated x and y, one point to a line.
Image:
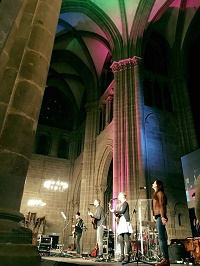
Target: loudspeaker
176	253
55	239
46	240
44	247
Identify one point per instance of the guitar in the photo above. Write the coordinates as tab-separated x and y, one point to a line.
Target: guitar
95	251
94	221
73	228
117	215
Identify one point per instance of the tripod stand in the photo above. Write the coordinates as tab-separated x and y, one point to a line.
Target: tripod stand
62	235
137	257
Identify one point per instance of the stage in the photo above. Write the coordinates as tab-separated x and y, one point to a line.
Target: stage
185	251
59	261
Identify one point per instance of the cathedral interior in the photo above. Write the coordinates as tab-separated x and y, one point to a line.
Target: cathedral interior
96	97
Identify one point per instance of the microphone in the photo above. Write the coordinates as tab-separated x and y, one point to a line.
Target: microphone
143	187
64	216
91	204
114	199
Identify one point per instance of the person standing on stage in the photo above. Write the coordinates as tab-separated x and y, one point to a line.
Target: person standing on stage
99	221
197	200
159	210
78	230
124	228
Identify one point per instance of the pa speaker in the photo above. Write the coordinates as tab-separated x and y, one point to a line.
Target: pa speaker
176	253
55	239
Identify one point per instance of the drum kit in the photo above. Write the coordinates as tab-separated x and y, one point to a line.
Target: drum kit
145	243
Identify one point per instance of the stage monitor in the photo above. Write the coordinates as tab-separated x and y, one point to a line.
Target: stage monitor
191	171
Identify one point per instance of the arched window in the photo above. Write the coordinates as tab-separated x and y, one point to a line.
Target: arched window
43	144
63	149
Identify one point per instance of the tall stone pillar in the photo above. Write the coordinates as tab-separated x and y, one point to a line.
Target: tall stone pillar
89	184
128	150
108	109
22	86
185	119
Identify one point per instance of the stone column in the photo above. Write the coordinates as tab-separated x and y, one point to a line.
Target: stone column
89	183
185	119
21	91
108	109
128	158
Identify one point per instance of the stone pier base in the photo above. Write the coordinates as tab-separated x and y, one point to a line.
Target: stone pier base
19	255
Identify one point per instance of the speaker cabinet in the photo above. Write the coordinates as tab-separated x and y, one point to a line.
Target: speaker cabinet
55	240
176	253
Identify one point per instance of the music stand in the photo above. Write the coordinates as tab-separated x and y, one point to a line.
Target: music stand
137	257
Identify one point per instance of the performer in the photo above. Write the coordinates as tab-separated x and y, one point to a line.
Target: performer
99	217
78	233
197	199
159	202
124	228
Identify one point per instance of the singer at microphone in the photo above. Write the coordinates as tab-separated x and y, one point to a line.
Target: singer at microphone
113	199
143	187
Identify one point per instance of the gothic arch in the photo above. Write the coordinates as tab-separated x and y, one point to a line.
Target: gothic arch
104	160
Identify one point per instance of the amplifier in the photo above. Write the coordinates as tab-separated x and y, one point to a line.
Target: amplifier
46	240
176	253
44	247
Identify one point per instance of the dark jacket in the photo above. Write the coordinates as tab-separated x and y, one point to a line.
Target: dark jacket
99	216
79	226
123	210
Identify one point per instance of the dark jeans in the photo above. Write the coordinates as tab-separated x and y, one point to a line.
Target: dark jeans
124	240
162	238
77	243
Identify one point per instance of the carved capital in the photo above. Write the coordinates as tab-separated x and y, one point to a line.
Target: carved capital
75	203
100	188
125	63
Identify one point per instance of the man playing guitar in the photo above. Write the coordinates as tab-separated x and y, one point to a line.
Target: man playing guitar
99	217
78	233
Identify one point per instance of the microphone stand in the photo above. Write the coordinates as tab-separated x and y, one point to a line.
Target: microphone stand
109	257
62	238
137	257
84	228
107	217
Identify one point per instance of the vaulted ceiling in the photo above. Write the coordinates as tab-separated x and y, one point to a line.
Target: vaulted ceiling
91	34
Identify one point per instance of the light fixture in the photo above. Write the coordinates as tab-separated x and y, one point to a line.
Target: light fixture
33	202
55	185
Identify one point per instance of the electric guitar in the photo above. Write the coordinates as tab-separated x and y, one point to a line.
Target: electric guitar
94	221
95	251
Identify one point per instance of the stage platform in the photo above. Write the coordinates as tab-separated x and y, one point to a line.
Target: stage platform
61	261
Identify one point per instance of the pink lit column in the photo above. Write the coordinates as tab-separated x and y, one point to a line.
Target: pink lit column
128	159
